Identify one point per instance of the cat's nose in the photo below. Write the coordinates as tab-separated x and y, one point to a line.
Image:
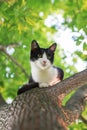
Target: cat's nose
44	62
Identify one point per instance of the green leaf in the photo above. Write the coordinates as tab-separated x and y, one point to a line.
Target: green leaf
84	46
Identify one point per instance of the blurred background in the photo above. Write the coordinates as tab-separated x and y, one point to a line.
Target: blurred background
47	21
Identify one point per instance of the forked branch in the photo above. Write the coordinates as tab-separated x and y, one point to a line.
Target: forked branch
39	108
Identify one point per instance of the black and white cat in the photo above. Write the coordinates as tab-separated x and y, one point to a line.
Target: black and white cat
42	70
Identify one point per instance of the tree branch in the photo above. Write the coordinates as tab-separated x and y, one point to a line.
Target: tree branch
3	49
71	83
76	104
2	101
38	109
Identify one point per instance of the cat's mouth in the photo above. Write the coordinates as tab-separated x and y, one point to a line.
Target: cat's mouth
44	65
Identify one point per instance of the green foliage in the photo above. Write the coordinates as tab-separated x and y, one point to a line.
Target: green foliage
84	46
77	11
78	126
21	21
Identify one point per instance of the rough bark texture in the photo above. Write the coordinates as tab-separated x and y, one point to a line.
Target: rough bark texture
2	101
39	109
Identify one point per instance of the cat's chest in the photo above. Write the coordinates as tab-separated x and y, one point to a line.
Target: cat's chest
44	75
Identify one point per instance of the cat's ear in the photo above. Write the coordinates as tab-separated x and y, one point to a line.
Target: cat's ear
34	45
53	47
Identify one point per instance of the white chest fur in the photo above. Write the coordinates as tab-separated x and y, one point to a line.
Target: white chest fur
43	76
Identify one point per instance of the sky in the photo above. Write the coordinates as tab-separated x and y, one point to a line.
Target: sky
66	38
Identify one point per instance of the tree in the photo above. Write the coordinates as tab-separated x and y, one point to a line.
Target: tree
20	22
39	108
2	102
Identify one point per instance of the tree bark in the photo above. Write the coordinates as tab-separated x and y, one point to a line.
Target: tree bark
2	101
39	109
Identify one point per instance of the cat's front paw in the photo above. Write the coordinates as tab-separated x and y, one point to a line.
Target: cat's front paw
43	85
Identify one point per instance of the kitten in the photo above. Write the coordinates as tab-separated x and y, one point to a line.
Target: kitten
43	73
42	69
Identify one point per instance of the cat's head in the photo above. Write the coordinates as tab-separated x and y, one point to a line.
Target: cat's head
41	57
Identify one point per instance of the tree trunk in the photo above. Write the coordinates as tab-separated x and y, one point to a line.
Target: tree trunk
39	109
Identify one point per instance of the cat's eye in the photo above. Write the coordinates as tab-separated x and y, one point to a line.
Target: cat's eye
39	55
49	57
